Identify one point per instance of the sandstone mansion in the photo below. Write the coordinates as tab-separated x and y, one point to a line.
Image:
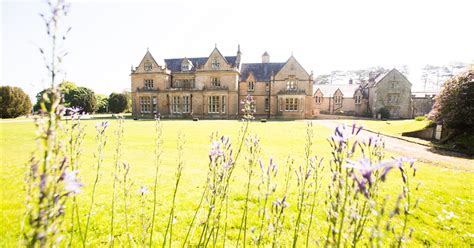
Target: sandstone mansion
213	87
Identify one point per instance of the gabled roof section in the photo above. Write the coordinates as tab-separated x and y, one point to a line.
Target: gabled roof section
381	76
220	54
150	58
291	60
261	71
318	91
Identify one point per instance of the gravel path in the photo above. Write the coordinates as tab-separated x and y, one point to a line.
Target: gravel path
409	149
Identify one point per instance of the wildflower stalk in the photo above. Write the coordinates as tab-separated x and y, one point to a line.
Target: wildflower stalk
406	208
268	175
303	176
126	188
49	176
143	200
76	135
179	170
253	150
101	139
118	153
191	225
317	184
158	152
225	160
220	166
279	206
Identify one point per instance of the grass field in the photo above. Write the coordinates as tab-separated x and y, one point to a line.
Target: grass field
445	216
393	127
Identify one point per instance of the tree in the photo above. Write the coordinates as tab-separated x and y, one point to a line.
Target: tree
83	98
454	106
322	79
432	76
102	103
14	102
129	101
66	87
118	102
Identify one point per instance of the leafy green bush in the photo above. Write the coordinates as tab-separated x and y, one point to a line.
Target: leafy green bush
420	118
14	102
102	103
454	106
384	113
118	102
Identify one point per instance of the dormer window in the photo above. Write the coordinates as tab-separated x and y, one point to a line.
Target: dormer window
186	65
148	66
251	86
215	64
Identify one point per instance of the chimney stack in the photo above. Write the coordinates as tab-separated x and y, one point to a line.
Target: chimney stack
266	57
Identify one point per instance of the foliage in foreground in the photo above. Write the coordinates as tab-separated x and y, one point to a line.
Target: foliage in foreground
14	102
355	211
455	103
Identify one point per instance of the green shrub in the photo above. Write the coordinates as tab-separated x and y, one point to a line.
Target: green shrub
420	118
102	103
14	102
454	106
118	102
384	113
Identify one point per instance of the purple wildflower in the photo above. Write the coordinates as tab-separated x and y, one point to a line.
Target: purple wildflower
143	190
72	184
365	168
215	150
248	108
399	164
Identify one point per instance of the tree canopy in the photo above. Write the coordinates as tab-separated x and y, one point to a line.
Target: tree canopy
118	102
83	98
14	102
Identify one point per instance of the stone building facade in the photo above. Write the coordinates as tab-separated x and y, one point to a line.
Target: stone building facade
213	86
423	102
186	87
280	90
390	90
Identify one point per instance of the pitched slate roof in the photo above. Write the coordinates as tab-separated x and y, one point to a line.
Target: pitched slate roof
383	75
175	64
328	90
261	71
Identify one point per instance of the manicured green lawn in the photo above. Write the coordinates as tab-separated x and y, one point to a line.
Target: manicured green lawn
393	127
445	216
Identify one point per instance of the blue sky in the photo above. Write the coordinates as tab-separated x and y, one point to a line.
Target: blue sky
107	37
